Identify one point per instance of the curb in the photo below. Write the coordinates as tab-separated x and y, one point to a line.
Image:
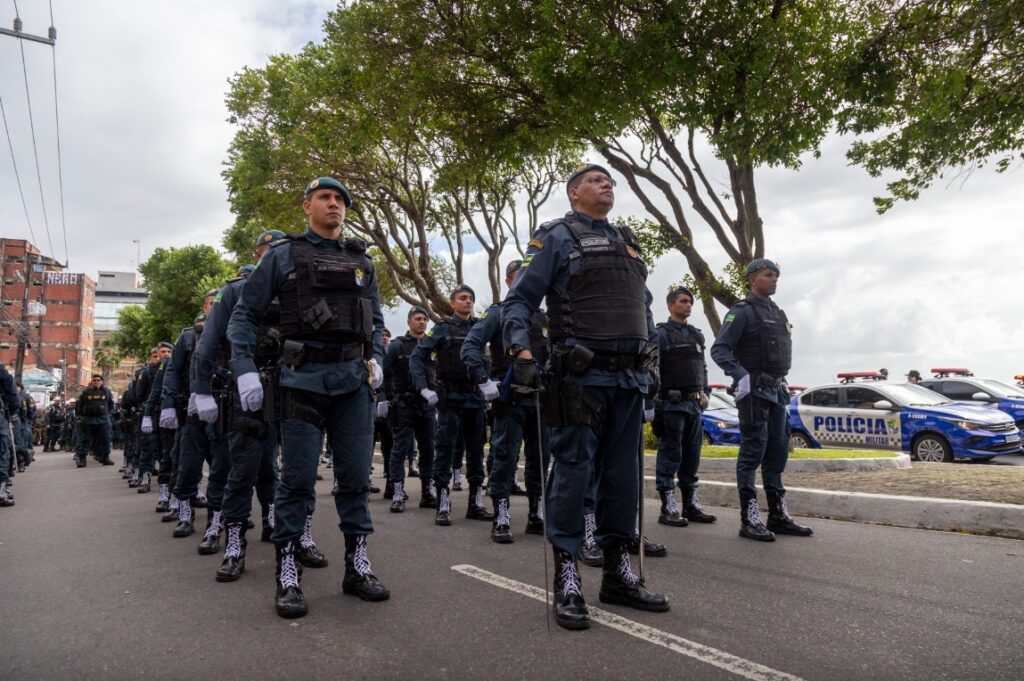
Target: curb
820	465
950	515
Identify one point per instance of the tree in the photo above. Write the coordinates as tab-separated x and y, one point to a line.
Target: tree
135	334
107	356
943	82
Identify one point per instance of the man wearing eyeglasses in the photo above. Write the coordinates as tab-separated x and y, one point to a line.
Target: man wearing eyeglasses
94	407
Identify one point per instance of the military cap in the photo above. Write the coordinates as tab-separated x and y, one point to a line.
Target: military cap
586	168
329	183
269	235
165	344
416	309
211	292
679	291
512	267
200	318
760	264
245	270
459	289
913	373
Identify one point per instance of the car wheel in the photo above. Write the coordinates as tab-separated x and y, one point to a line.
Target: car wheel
799	441
707	438
932	449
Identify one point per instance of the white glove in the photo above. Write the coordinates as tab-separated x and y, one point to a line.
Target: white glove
169	418
743	388
191	409
382	410
250	391
376	377
489	390
649	415
206	408
430	396
147	424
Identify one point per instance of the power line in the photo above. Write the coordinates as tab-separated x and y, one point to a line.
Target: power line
17	175
56	117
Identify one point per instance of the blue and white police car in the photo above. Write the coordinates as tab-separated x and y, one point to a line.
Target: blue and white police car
721	421
960	385
901	417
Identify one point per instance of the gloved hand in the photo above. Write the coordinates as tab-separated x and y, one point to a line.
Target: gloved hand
206	408
430	396
147	424
191	409
743	388
525	374
489	390
649	415
703	401
376	377
169	418
250	391
382	409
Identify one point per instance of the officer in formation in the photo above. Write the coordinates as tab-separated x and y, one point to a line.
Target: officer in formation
54	419
515	414
9	403
330	366
755	348
682	398
603	346
460	406
135	401
93	408
23	429
914	376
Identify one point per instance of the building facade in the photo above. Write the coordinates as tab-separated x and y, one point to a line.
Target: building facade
114	292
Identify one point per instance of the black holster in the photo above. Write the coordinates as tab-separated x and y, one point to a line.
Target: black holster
303	405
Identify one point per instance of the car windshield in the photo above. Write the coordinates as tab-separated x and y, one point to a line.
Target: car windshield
717	402
724	397
910	395
1000	389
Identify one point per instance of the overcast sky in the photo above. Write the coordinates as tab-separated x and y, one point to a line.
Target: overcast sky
144	136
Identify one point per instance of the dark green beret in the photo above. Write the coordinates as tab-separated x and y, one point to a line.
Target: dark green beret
760	264
586	168
329	183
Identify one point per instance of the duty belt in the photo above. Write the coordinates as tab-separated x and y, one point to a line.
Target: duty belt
678	395
332	355
613	361
767	381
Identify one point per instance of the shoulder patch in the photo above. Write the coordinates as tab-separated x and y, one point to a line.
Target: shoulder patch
729	317
536	243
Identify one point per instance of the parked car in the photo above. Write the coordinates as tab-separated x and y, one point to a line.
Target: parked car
721	422
960	385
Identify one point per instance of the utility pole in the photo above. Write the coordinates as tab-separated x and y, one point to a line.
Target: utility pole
50	40
19	358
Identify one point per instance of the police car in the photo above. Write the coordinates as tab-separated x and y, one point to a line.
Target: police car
720	421
960	385
901	417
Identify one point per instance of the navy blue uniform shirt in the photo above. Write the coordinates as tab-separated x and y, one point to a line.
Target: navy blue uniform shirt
739	323
686	331
436	339
204	357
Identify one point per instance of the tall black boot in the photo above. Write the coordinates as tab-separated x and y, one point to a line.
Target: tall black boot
144	483
5	497
398	497
234	553
590	552
476	509
185	526
751	525
172	511
620	586
427	497
534	519
289	601
359	578
163	500
692	510
268	524
570	608
669	511
651	549
444	508
211	538
501	530
307	553
779	520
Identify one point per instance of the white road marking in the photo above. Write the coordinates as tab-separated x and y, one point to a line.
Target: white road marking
712	656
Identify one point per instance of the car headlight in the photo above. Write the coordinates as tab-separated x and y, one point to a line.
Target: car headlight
966	425
723	425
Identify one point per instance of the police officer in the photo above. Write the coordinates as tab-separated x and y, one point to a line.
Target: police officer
149	443
602	349
460	408
755	348
913	376
54	421
8	405
331	354
412	419
94	407
678	406
515	415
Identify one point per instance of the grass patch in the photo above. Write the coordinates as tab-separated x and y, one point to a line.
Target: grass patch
726	452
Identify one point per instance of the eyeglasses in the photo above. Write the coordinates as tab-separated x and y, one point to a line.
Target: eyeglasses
600	178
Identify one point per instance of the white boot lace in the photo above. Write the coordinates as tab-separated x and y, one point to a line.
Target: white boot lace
213	531
289	576
306	541
753	513
670	503
478	497
359	560
625	572
399	494
569	576
233	548
165	491
503	515
443	503
589	527
184	511
270	516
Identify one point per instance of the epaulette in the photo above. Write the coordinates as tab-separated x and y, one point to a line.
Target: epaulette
549	225
233	280
357	245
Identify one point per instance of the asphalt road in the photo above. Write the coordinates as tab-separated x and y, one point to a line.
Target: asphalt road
95	587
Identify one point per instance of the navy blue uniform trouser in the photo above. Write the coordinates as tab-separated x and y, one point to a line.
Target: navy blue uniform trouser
679	449
200	442
94	437
610	455
764	443
414	427
52	435
514	425
253	466
382	433
453	421
6	447
165	445
348	421
149	448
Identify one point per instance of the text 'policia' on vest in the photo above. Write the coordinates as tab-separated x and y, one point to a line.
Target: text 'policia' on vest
771	350
682	364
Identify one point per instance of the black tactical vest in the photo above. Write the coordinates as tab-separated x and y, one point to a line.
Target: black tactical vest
538	346
399	378
94	402
605	298
770	350
326	300
450	369
268	336
682	363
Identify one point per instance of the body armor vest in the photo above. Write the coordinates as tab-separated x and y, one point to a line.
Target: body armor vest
770	351
682	363
450	368
94	402
326	301
268	336
606	297
538	346
399	377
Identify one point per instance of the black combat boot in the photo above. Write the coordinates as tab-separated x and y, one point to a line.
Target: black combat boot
620	586
234	553
126	473
80	461
307	553
692	509
751	525
651	549
389	489
570	608
172	511
779	520
185	525
427	497
398	497
413	471
501	530
476	509
444	508
135	480
289	601
457	479
199	501
268	524
144	483
163	500
590	552
5	496
534	519
211	538
359	578
107	461
669	512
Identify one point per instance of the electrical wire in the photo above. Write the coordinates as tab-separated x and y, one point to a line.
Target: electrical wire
17	175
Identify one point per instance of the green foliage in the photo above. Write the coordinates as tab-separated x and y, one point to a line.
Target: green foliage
730	285
135	334
653	241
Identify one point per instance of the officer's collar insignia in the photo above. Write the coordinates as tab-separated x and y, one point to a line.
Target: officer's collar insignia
536	243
